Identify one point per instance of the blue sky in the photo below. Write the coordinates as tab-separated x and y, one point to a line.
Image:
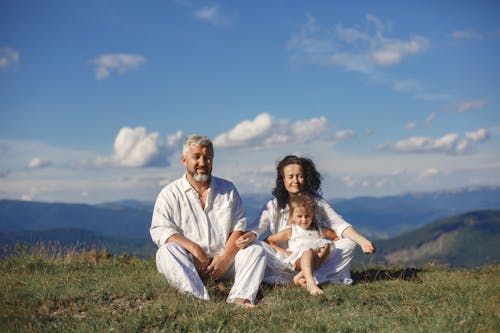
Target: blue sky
387	97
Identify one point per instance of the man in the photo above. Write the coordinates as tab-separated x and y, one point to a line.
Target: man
196	221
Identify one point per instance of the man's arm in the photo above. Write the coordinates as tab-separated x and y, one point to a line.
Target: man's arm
201	259
220	264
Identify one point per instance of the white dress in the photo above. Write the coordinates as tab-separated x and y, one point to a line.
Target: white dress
302	240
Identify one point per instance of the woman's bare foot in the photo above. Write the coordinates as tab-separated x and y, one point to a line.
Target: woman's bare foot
244	303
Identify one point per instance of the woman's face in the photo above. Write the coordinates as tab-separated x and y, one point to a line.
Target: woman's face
293	178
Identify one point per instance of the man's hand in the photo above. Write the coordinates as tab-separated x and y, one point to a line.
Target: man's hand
201	260
219	266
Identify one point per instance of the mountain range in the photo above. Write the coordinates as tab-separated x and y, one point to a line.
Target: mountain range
461	241
125	224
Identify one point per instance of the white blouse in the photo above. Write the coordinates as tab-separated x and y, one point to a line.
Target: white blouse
274	219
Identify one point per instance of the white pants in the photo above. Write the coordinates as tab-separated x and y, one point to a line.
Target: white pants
336	267
247	270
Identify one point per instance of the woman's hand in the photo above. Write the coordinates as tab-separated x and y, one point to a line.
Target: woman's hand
245	239
367	246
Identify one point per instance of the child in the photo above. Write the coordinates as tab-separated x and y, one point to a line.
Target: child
307	249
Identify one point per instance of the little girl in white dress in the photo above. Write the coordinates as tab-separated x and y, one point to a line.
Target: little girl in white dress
307	247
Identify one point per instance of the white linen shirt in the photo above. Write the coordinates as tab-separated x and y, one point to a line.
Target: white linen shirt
178	210
275	219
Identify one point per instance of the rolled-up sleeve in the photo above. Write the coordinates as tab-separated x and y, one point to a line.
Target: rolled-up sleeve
330	217
238	218
162	226
263	222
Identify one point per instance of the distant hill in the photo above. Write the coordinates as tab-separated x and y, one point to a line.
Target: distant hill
376	218
390	216
463	241
110	220
74	240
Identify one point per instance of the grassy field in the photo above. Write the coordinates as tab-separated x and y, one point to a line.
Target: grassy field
93	292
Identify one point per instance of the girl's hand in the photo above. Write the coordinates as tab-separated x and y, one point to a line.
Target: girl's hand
245	239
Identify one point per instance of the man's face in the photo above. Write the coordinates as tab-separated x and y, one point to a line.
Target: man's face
198	163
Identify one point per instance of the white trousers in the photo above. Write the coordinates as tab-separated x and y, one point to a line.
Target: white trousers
336	267
248	268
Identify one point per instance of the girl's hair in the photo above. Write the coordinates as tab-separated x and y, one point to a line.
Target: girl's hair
308	202
312	178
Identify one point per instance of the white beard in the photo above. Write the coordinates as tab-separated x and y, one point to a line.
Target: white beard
201	178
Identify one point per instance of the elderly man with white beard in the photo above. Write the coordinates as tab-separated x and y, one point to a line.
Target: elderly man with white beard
196	221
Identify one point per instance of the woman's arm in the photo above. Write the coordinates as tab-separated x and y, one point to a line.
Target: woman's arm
354	235
278	237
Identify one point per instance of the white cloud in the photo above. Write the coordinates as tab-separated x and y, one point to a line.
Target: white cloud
411	125
467	34
449	143
350	181
266	131
135	148
37	163
430	118
8	57
307	130
478	136
351	47
429	173
392	51
121	63
213	15
465	106
345	134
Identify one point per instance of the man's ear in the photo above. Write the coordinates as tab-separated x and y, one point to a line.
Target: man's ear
183	160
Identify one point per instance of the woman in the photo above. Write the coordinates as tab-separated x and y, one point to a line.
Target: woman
297	175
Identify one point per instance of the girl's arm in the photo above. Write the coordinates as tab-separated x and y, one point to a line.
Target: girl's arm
329	233
278	237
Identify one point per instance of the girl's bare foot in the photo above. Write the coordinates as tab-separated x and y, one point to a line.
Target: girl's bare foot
315	291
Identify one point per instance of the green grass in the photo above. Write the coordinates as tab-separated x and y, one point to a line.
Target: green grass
94	292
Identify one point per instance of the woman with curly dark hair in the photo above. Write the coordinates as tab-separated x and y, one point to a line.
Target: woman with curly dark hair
296	175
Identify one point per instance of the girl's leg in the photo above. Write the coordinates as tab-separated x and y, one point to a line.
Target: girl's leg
306	263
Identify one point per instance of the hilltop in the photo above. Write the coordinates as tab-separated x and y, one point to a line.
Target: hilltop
462	241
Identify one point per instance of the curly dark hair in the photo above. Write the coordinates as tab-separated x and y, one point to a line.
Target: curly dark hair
312	178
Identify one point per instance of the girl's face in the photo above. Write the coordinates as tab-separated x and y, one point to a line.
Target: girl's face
302	217
293	178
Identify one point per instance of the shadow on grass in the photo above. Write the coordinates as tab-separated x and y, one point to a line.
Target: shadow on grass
219	290
384	274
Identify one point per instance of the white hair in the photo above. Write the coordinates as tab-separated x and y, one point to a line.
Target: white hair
198	140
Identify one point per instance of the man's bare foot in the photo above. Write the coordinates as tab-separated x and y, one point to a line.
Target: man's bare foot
244	303
315	291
